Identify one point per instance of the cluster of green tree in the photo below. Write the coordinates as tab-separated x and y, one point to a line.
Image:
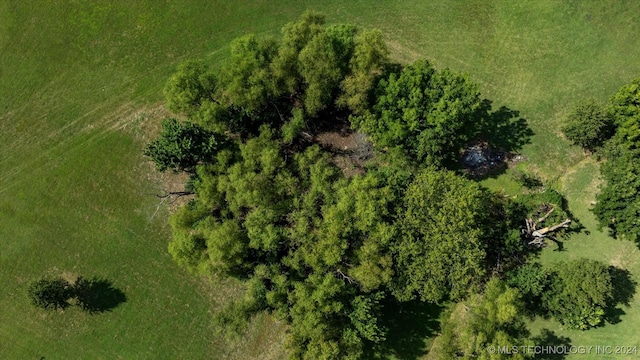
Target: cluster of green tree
618	203
308	77
324	251
91	295
314	247
581	293
613	130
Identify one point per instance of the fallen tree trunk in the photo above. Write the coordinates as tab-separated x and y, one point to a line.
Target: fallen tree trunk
542	232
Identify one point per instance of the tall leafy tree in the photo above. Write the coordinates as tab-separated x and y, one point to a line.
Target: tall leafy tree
369	60
533	281
320	69
441	252
190	87
422	113
295	36
618	203
248	81
625	109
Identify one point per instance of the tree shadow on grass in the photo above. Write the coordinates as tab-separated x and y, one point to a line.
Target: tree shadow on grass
409	325
500	134
624	288
98	295
504	128
548	339
559	244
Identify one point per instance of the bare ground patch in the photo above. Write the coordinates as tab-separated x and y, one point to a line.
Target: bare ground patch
350	149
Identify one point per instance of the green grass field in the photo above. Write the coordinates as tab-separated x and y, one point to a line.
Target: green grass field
81	88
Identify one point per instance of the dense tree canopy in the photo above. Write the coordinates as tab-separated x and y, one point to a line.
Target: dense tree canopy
422	113
625	109
441	248
320	249
618	203
493	319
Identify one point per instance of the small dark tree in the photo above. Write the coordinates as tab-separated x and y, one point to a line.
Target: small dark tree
49	293
182	146
589	125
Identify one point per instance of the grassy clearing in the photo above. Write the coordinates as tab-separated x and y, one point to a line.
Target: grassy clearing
74	74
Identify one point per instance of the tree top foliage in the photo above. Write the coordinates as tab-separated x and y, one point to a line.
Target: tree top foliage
441	249
426	114
618	202
492	319
589	125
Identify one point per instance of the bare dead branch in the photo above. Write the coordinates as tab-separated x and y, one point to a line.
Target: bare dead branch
173	196
542	219
345	277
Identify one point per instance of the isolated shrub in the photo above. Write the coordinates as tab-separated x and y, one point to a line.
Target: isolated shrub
580	292
589	125
49	293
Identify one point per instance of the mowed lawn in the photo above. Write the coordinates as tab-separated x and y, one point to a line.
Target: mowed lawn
81	86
